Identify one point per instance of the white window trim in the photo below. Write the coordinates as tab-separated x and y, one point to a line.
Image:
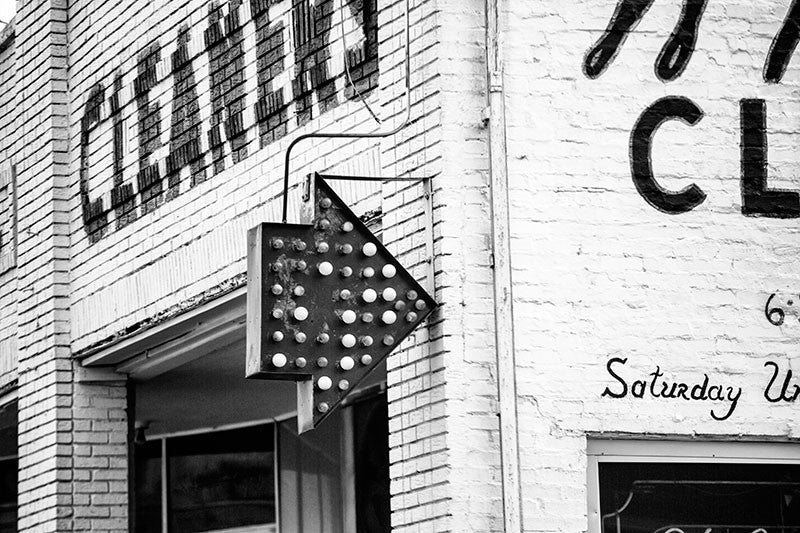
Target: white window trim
643	451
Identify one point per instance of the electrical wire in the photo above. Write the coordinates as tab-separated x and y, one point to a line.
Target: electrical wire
347	64
356	135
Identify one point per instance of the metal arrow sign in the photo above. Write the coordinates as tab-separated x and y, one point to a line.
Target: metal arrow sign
326	303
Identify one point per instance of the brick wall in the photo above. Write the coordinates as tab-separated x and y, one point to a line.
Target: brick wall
601	274
150	248
162	216
176	136
44	366
72	433
445	426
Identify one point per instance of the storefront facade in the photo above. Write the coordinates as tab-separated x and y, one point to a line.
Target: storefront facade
605	212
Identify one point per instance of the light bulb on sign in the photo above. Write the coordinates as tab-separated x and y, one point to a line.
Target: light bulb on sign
348	341
369	296
389	317
348	317
389	294
369	249
324	383
388	271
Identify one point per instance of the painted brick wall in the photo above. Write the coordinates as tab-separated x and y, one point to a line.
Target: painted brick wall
458	487
44	366
72	432
601	274
185	236
159	239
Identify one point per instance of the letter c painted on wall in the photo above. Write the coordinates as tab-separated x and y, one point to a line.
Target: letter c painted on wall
668	108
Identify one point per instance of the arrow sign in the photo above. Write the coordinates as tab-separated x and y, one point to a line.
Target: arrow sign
326	303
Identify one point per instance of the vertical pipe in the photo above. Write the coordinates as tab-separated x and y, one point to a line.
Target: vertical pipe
503	299
430	282
164	488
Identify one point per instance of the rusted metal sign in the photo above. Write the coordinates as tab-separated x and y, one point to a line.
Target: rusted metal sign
326	303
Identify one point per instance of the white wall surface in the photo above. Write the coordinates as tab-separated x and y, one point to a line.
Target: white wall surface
600	274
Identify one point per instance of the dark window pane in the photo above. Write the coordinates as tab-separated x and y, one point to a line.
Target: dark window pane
8	467
371	433
221	480
690	498
147	486
8	495
8	429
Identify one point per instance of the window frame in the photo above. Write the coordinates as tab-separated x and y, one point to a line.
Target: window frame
163	437
676	451
347	468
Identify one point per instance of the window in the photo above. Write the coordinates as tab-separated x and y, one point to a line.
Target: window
371	448
652	487
215	481
8	467
266	478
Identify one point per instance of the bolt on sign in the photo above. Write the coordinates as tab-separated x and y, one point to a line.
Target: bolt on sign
326	303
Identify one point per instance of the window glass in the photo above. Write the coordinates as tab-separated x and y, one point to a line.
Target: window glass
699	498
371	434
221	480
147	483
8	495
8	467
